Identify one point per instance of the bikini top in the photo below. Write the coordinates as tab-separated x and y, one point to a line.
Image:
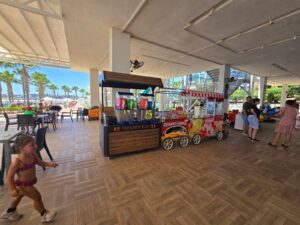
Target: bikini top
27	166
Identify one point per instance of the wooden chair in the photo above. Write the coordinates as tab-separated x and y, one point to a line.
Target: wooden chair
41	143
67	114
26	121
9	122
51	120
79	113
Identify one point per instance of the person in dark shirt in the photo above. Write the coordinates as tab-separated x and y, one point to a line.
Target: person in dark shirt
246	112
253	120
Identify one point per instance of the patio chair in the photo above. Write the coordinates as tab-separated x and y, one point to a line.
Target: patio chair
51	120
79	113
8	121
85	112
67	114
56	108
40	138
26	121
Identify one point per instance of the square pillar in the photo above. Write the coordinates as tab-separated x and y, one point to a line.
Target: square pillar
283	95
94	88
119	55
163	97
251	85
262	89
223	87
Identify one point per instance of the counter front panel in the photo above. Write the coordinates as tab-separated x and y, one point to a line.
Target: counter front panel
130	138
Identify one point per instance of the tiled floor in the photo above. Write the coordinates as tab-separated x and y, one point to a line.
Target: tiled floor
232	182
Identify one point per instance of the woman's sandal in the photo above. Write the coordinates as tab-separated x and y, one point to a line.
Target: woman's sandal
270	144
285	146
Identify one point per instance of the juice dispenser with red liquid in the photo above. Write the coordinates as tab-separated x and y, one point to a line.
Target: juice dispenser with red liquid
146	107
124	107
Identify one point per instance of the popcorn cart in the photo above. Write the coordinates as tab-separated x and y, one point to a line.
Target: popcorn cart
199	116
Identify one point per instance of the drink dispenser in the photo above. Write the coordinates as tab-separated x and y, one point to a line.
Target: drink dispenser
124	106
146	107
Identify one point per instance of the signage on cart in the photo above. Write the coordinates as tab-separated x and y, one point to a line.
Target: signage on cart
170	124
202	94
132	127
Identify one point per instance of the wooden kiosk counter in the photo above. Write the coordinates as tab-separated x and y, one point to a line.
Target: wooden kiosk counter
132	128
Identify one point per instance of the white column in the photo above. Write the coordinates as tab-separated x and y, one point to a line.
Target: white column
224	75
163	97
283	94
251	86
94	88
119	55
262	89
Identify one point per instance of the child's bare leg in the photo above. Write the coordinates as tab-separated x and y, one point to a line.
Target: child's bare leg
14	204
276	138
34	194
288	138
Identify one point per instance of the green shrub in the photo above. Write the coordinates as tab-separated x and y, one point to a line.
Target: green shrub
12	105
273	94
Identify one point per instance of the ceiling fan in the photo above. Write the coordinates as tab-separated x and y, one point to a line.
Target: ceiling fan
135	64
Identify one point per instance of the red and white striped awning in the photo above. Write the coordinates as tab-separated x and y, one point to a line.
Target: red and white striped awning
203	94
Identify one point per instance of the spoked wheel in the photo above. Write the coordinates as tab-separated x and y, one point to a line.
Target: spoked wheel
219	135
168	144
196	139
184	142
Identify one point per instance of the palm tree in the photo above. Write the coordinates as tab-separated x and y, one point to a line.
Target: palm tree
40	81
66	89
4	65
53	88
75	89
69	91
8	78
22	70
82	91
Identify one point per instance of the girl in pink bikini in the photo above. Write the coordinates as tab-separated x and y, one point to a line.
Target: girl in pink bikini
24	168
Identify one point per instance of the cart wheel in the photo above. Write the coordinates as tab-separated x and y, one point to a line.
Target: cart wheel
184	142
219	135
168	144
196	139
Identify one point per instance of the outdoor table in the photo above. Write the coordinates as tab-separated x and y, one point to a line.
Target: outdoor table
42	116
5	138
51	112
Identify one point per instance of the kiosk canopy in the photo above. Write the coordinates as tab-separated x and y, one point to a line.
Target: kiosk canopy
130	81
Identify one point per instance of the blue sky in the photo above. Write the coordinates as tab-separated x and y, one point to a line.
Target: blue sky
57	76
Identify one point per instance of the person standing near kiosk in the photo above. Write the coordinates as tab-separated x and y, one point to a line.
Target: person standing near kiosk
246	112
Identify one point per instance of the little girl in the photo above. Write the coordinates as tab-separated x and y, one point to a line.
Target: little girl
24	167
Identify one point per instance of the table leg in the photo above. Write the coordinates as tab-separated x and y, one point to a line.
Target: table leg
6	161
2	169
7	156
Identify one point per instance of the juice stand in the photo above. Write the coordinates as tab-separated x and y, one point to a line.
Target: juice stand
133	127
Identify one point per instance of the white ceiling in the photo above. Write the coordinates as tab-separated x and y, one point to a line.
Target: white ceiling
172	37
33	31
